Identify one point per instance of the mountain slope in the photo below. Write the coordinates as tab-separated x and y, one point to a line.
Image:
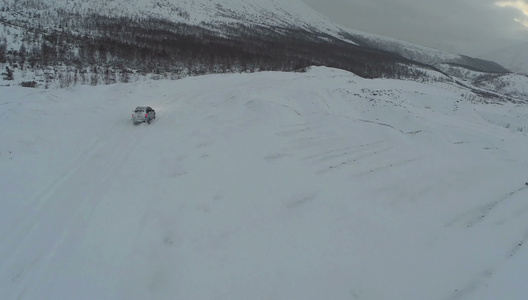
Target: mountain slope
422	54
273	13
513	57
151	35
317	185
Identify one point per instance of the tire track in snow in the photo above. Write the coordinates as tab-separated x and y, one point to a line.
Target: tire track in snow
482	278
474	217
61	212
481	213
331	159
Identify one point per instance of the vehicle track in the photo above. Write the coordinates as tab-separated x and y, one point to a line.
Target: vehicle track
59	213
481	213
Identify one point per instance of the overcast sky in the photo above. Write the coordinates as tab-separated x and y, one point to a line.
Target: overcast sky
470	27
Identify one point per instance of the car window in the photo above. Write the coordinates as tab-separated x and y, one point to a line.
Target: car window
139	110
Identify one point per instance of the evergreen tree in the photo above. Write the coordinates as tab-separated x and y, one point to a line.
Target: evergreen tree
3	52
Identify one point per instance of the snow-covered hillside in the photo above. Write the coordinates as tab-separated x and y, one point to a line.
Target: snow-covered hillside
291	13
223	17
317	185
511	87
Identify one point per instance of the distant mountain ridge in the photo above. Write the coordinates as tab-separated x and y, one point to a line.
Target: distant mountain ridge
513	57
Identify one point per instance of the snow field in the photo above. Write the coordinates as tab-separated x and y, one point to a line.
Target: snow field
317	185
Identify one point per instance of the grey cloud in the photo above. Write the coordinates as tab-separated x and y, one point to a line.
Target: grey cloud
469	27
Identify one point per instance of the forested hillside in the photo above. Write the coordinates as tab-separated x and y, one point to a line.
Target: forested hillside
76	42
94	48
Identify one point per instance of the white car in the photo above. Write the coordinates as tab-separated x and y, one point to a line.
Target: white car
143	114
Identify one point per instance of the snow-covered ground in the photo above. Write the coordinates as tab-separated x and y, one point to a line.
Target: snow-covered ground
317	185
